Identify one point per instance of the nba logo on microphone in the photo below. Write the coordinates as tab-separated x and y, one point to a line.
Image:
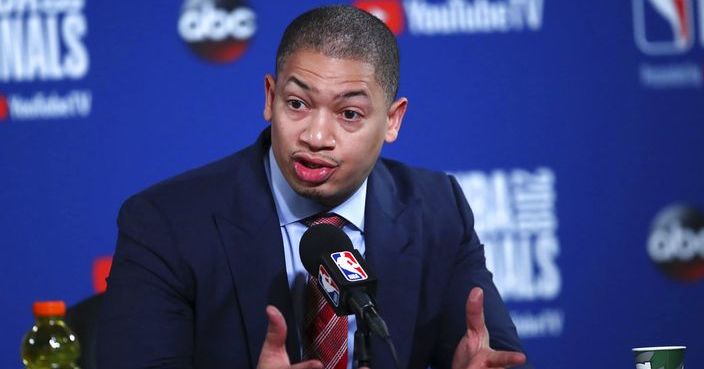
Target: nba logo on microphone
349	266
663	27
329	286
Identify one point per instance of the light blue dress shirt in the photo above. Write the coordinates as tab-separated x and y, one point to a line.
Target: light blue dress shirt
291	209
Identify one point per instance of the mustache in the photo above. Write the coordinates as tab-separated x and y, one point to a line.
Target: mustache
308	155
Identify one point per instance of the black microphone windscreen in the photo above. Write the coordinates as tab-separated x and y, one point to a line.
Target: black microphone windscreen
320	239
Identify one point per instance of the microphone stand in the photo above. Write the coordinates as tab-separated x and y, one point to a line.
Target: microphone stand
362	343
368	322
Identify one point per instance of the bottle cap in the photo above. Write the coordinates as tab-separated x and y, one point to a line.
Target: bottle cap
49	308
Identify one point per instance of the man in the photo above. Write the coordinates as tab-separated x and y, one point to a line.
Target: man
207	274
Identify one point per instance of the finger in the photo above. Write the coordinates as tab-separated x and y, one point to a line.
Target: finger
276	330
310	364
505	359
475	310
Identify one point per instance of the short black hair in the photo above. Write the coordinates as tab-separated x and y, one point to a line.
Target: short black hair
341	31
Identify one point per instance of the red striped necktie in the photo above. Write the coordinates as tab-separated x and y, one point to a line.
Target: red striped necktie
325	334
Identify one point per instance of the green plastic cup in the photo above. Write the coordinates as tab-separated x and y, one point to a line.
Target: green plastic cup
663	357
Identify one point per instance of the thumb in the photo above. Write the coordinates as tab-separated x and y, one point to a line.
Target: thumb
475	311
276	331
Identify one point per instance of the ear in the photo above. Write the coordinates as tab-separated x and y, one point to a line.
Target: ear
394	118
269	92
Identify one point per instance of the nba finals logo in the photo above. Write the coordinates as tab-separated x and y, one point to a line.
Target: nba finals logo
663	26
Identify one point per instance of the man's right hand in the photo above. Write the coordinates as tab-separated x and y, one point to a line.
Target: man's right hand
274	355
473	351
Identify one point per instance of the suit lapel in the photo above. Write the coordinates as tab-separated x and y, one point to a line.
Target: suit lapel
393	252
251	238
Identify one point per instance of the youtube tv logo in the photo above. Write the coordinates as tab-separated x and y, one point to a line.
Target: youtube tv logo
388	11
456	17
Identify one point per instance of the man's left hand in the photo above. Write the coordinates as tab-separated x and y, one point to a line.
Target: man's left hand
473	351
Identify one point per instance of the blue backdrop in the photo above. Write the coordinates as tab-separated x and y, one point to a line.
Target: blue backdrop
571	127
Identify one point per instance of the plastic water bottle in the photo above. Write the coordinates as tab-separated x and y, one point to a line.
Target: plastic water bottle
50	344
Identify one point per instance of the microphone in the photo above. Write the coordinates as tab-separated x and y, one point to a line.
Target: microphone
342	275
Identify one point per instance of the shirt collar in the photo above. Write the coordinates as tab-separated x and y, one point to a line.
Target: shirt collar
292	207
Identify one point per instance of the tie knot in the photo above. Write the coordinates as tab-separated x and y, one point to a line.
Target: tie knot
326	218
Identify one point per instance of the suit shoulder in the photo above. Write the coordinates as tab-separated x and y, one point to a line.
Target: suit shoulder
190	180
418	182
437	195
204	187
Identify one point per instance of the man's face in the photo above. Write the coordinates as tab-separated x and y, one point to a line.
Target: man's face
329	118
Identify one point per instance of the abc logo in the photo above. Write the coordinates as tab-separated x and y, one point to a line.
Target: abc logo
218	31
676	242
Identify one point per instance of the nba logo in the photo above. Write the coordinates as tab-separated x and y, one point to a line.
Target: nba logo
663	27
349	266
329	286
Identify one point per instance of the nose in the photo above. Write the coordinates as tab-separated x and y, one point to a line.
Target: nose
320	132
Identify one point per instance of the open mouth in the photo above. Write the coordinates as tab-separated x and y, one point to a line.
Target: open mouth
310	165
313	170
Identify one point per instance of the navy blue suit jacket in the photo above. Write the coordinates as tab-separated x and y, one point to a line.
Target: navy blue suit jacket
200	256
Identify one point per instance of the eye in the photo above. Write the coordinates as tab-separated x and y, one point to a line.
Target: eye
351	115
296	104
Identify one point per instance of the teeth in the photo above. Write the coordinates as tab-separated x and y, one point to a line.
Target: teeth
311	165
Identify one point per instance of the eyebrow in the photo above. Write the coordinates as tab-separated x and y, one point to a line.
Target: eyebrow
300	84
343	95
354	93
